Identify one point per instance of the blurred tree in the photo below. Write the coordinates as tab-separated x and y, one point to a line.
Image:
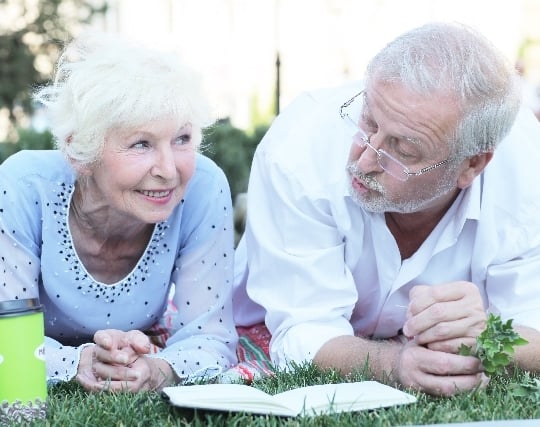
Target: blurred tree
232	149
29	139
31	37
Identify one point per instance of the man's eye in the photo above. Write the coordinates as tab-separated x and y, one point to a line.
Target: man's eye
368	123
399	149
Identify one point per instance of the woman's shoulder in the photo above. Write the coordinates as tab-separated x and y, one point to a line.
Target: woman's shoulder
48	164
207	172
206	165
208	185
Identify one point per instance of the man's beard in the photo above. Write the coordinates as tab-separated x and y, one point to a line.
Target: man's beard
376	200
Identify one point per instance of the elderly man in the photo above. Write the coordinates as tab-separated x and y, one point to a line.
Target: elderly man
387	218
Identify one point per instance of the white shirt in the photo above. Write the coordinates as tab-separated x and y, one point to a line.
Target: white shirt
322	267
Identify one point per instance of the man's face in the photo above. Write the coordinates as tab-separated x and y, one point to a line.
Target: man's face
413	130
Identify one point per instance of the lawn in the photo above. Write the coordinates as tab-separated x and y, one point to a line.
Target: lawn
70	405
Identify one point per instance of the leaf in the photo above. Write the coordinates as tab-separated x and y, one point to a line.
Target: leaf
466	350
495	345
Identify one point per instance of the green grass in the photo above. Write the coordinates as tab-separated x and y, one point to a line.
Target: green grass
70	405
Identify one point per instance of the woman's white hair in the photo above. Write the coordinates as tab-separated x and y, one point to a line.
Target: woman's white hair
104	82
451	58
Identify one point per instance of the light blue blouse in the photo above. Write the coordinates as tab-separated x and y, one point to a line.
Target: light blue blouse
191	253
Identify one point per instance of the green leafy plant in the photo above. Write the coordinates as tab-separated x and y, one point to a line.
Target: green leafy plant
528	388
495	345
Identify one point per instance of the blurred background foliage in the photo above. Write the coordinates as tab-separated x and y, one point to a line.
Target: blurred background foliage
31	45
28	50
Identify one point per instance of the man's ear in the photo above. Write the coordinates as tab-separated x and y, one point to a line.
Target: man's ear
472	167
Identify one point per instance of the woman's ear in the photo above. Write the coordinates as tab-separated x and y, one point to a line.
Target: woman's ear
473	166
82	169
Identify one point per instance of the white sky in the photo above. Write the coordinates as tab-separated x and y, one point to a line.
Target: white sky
321	42
233	43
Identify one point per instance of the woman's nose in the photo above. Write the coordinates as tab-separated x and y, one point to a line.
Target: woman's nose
164	166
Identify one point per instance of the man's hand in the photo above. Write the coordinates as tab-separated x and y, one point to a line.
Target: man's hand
444	317
438	373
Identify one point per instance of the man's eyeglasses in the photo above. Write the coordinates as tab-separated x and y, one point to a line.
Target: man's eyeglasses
386	161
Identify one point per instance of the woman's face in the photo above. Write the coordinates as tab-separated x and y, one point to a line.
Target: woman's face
144	171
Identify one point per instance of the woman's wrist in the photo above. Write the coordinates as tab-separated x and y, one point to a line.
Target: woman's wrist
162	374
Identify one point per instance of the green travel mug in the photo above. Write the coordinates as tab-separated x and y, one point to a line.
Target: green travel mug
23	381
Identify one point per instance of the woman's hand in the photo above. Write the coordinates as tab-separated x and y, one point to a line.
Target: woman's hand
118	363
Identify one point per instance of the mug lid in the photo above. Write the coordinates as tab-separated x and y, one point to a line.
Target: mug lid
19	305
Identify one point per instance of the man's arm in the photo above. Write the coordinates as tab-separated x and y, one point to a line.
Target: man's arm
526	356
409	364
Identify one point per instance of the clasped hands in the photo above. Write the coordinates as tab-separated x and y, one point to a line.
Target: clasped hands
440	319
117	362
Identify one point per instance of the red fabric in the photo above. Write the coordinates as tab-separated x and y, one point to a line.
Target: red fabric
259	335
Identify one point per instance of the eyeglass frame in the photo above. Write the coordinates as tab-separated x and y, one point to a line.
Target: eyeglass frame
364	138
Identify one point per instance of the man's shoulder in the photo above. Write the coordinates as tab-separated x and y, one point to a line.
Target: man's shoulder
509	180
520	149
311	116
331	97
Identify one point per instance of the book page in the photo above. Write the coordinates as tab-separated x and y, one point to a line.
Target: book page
311	400
343	397
226	397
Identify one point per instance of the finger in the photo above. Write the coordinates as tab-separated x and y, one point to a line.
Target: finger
125	356
139	341
422	297
451	318
453	364
450	386
122	386
443	330
88	382
104	339
452	345
115	372
439	373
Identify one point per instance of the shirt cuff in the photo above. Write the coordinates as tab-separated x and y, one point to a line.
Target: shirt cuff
301	343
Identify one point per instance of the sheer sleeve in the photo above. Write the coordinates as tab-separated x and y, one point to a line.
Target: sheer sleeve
205	340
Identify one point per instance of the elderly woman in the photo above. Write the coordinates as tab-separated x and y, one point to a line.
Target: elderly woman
125	213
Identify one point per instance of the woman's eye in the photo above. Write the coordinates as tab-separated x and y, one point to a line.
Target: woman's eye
183	139
141	144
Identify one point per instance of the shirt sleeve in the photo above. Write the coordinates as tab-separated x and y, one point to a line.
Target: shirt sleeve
19	239
510	230
205	340
297	269
62	361
20	262
512	288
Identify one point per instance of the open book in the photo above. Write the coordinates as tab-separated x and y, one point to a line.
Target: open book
304	401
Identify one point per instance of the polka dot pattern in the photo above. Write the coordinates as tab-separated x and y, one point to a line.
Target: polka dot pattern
193	250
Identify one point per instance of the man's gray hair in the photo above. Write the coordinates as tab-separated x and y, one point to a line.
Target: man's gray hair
450	58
